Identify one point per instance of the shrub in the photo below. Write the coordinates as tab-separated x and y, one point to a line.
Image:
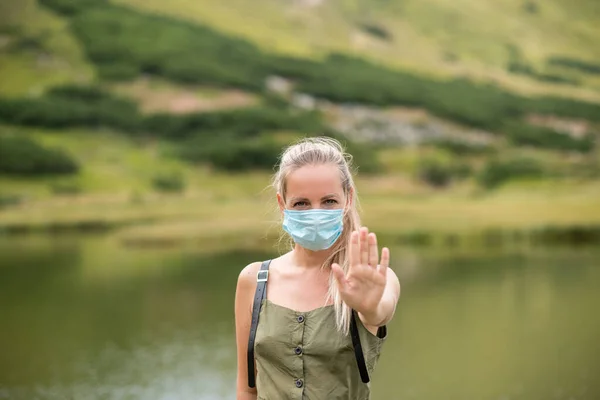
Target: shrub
570	234
233	155
23	156
26	44
345	79
531	7
76	106
80	93
439	173
462	147
173	182
462	170
525	134
231	152
9	200
68	188
242	122
518	66
496	172
563	107
117	72
376	30
553	78
364	156
181	51
294	68
71	7
434	172
71	106
479	105
572	63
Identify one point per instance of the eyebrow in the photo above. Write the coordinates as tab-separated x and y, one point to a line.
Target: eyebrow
328	196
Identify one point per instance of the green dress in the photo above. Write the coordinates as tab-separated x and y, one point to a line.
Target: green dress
301	355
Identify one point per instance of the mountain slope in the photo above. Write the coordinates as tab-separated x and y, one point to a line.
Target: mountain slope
462	37
37	50
481	40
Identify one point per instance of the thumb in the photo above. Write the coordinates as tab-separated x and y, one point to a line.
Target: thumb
340	276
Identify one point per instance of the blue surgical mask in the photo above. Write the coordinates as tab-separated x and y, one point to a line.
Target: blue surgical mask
314	229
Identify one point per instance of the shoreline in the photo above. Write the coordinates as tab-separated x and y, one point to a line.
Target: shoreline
138	233
237	210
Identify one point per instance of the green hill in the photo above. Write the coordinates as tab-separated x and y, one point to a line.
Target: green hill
118	102
439	37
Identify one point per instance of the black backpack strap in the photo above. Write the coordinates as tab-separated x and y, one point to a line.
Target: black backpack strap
358	352
261	291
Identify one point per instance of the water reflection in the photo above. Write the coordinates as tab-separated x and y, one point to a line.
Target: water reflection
179	368
85	318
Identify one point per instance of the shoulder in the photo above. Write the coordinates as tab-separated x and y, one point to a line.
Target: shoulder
247	276
246	286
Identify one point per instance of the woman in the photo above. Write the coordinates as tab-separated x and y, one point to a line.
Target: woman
310	324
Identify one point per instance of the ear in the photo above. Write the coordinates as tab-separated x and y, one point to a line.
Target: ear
280	202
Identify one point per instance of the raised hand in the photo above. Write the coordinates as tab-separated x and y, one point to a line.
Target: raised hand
362	287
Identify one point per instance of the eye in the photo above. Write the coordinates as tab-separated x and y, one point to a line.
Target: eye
331	201
300	204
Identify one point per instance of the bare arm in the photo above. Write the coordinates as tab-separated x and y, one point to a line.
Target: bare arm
244	296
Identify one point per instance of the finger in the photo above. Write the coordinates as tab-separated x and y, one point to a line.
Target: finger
340	277
364	246
381	270
385	260
354	249
373	250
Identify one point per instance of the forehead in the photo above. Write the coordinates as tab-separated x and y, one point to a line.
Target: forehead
314	181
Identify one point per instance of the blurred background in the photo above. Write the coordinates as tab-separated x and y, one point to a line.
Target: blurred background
138	137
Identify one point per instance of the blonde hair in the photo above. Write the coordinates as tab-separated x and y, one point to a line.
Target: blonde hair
319	151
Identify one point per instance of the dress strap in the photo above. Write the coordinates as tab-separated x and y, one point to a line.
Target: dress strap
261	290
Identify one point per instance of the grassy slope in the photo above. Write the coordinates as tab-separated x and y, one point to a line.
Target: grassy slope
425	32
111	164
26	72
478	30
117	175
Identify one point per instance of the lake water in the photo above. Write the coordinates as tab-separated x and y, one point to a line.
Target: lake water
87	318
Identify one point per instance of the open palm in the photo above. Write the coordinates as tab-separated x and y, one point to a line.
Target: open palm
362	287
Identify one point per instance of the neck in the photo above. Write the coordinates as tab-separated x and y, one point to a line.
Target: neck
309	259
